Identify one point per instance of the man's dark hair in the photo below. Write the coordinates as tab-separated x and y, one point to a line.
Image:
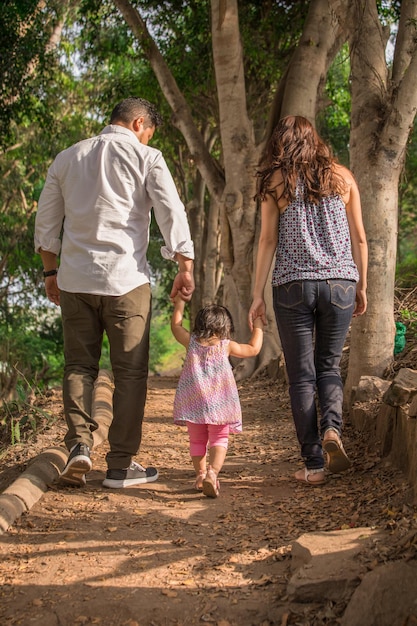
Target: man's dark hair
131	108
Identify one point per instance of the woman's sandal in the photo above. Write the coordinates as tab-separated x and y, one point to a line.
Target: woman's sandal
338	460
198	485
211	485
311	477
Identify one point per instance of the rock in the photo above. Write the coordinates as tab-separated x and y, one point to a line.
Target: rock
370	388
402	389
412	410
327	565
387	596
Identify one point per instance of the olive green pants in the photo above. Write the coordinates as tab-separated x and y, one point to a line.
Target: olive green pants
126	320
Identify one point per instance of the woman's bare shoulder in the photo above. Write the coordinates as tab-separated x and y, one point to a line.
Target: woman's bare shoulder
344	173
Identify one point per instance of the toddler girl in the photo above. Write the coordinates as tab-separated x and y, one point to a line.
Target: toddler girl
207	400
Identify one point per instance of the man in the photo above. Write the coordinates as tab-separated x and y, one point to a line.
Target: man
99	193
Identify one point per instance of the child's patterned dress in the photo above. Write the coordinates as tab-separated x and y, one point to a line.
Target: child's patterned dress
207	391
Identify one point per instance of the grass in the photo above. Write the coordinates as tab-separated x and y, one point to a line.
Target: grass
166	354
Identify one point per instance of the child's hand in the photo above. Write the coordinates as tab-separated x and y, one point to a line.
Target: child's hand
258	323
176	300
257	310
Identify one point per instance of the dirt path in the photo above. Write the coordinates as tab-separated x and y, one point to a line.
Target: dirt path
162	554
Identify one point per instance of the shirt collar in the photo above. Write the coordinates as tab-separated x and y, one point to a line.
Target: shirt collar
121	130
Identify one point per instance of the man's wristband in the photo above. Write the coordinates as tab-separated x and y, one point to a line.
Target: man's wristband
50	273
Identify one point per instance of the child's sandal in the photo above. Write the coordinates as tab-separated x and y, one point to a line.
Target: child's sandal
211	486
198	485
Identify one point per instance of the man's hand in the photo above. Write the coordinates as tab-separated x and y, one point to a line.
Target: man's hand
51	289
183	286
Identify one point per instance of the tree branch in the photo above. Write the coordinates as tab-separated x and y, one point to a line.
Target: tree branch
406	40
183	120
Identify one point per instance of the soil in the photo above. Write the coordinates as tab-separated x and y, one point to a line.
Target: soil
163	554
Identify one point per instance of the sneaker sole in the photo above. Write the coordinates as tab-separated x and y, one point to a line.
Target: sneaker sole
74	472
338	459
128	482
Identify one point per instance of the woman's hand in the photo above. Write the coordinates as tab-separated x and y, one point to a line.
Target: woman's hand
257	309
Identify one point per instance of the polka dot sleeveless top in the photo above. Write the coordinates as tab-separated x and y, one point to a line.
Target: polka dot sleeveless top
314	242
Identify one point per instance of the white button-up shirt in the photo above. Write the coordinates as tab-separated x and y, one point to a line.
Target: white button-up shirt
99	193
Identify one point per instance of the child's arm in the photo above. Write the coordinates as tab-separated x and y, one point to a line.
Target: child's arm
181	334
253	347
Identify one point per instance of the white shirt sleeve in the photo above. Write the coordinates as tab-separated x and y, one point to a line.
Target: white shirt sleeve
169	211
50	215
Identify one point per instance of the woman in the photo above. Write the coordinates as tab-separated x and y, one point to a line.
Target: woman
312	223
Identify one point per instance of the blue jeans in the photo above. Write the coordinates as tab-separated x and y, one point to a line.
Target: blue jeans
313	318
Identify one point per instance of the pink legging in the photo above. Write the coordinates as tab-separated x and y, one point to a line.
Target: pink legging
201	434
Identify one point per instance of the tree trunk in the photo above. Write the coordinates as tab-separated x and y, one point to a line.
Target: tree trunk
299	91
199	145
213	268
182	114
240	155
383	111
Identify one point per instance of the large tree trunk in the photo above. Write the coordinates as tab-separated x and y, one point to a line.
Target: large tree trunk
299	91
231	190
238	209
383	110
199	144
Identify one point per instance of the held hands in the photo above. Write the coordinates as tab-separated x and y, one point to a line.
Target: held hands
257	311
258	323
178	302
183	286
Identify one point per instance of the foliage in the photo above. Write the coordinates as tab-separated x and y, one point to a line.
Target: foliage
409	317
167	355
159	340
27	63
31	348
20	419
333	121
53	98
407	227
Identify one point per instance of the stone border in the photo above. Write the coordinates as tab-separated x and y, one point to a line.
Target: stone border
45	469
393	425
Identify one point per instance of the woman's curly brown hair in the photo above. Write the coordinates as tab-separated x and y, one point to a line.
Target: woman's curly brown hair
297	150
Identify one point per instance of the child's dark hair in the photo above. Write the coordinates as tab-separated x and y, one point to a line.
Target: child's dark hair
213	320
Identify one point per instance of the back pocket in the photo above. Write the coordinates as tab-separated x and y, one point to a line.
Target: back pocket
342	293
291	294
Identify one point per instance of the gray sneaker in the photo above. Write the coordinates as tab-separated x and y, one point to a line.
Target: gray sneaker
78	464
135	474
